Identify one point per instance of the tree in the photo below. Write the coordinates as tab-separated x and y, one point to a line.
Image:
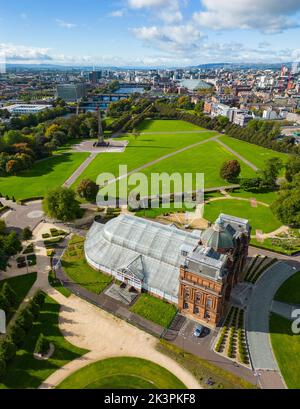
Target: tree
271	172
88	189
230	170
2	368
42	345
39	298
292	167
25	319
61	204
7	349
12	167
287	207
17	334
26	234
9	294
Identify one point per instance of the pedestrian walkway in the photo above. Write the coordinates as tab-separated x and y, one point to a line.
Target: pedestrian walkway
283	309
257	318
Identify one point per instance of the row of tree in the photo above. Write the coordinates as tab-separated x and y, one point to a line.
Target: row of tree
287	206
13	340
10	245
262	133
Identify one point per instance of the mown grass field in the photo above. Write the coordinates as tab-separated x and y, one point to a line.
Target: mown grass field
168	125
286	347
203	370
43	175
27	372
122	373
289	292
76	267
155	310
260	217
207	159
268	197
140	151
21	286
254	153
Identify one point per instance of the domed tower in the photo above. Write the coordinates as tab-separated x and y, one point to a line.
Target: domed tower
218	238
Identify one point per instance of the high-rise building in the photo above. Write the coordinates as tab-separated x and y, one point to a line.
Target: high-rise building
71	92
95	76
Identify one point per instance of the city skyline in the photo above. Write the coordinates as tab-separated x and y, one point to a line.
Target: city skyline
141	33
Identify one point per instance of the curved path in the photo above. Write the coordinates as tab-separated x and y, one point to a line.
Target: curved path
111	337
91	328
257	322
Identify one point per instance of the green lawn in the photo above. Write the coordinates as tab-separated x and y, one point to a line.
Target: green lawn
260	218
44	175
168	125
140	151
276	246
202	369
79	271
254	153
289	292
155	310
21	285
286	347
207	159
122	373
55	283
27	372
268	197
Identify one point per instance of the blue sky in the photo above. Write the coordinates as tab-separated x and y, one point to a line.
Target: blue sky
149	32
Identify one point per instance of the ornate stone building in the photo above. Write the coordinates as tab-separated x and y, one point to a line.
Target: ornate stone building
193	270
212	269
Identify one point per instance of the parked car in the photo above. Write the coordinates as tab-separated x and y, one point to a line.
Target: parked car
198	331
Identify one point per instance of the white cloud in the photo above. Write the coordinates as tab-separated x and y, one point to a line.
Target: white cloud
180	38
270	16
139	4
14	52
166	10
65	24
117	13
23	16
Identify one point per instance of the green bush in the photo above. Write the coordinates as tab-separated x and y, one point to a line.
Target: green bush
46	235
42	345
9	294
7	349
39	298
4	304
2	368
17	334
34	308
25	319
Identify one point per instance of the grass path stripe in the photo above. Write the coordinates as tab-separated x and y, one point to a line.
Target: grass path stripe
247	162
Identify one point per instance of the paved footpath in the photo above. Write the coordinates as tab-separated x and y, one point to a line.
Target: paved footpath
255	168
283	309
257	321
110	336
69	182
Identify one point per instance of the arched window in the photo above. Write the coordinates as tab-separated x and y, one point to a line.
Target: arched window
197	298
209	303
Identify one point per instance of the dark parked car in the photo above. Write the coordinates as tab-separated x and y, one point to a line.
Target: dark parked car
198	331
